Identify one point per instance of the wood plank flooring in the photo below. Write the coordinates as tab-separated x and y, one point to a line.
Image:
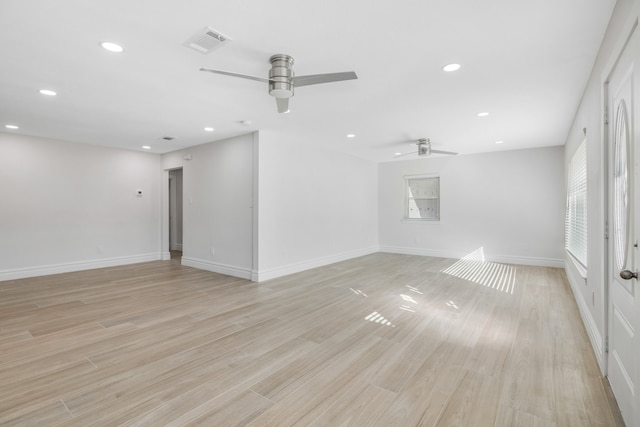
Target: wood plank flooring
382	340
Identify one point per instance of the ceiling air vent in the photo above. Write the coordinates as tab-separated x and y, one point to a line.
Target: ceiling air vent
168	138
206	40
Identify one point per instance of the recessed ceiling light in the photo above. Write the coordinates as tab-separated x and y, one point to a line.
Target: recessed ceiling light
112	47
146	147
245	122
499	142
11	127
397	154
208	129
351	135
483	114
451	67
47	92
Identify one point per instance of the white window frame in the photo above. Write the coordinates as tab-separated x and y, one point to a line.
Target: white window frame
576	213
430	203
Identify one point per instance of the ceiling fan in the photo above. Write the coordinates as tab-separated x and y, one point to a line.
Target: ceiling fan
282	80
424	149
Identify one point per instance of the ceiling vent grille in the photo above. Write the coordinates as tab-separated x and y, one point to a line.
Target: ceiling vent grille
168	138
206	40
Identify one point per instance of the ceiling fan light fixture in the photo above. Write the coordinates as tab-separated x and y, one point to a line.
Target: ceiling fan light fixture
281	92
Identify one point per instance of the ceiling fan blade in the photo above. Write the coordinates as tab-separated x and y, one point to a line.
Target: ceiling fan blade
404	154
227	73
283	105
443	152
316	79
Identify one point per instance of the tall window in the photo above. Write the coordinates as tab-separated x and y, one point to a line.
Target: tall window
576	215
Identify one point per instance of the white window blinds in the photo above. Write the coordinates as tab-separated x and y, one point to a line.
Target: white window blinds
576	215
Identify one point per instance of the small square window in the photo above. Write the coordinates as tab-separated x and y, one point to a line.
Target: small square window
422	198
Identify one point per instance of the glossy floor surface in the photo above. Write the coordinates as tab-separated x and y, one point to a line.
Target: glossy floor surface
382	340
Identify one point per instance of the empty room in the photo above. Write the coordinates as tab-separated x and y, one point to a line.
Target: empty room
414	213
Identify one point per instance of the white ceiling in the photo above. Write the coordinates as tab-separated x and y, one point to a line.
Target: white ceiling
524	62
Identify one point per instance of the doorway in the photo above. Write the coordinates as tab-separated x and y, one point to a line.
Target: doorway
623	257
175	213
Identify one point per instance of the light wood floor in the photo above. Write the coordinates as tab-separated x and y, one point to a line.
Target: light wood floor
382	340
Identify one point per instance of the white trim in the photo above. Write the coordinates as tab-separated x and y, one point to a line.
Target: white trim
418	251
45	270
215	267
575	281
272	273
505	259
166	256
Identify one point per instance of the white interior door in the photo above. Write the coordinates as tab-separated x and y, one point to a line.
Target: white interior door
623	257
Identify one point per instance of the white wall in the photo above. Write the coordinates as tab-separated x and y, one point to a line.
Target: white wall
315	206
590	293
217	205
509	203
67	207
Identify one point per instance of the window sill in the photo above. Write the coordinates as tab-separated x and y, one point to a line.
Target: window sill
579	268
420	221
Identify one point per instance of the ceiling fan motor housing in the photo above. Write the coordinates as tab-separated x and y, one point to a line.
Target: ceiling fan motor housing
424	147
281	76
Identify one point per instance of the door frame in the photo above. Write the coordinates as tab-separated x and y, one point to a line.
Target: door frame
176	201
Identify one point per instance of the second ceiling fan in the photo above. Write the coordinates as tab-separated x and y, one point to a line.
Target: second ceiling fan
424	149
282	80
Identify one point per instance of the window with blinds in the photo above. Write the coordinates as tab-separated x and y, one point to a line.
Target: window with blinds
422	198
576	215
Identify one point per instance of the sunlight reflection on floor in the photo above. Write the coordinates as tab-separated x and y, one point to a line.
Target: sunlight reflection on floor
376	317
474	268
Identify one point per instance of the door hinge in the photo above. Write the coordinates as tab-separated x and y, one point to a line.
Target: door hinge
606	115
606	230
606	344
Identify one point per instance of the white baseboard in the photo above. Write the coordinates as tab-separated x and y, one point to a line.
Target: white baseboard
504	259
229	270
45	270
272	273
577	282
166	256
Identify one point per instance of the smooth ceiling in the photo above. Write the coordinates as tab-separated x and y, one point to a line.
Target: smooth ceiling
524	62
